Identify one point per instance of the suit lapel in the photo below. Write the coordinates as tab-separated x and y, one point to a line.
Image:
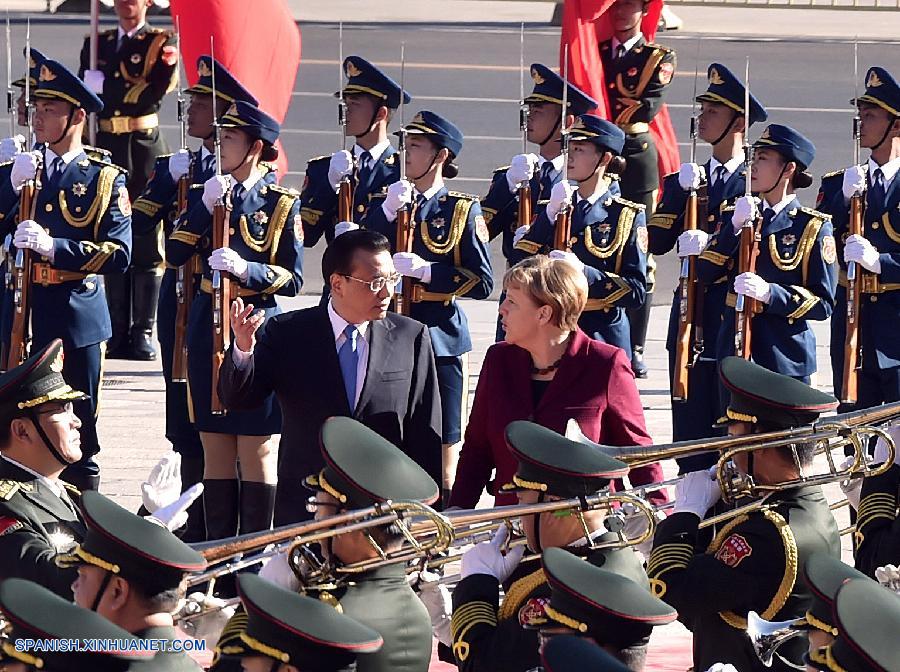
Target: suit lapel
41	497
381	338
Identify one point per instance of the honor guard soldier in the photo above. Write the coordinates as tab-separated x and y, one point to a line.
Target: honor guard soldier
795	275
537	171
286	632
754	560
82	231
876	250
718	182
136	67
131	571
371	99
877	528
159	205
570	653
36	618
608	233
488	635
264	257
449	259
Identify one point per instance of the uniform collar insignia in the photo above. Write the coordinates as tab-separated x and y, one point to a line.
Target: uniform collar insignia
260	217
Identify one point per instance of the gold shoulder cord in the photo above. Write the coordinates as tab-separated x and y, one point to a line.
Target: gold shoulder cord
623	231
273	231
96	212
457	226
807	240
517	593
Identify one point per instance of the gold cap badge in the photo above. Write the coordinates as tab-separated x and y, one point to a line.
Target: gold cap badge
873	80
204	70
418	119
352	70
57	364
715	77
232	111
536	76
766	135
47	74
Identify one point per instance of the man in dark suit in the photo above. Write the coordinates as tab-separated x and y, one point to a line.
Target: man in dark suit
349	357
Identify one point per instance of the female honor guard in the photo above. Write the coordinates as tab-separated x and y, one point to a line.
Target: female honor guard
795	273
264	259
449	258
608	233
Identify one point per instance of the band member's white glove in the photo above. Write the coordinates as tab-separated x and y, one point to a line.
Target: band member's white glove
413	266
277	570
179	164
341	164
569	257
520	233
93	80
753	286
398	194
560	197
437	600
689	176
521	169
889	577
854	181
9	147
175	515
861	251
215	615
851	487
722	667
487	557
692	243
214	189
344	227
226	259
881	450
163	484
24	168
745	209
696	493
30	235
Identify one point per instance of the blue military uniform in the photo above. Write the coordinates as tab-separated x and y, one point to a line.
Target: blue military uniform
694	417
450	233
879	377
84	205
609	235
797	258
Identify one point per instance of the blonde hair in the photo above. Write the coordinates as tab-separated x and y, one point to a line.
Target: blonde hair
551	282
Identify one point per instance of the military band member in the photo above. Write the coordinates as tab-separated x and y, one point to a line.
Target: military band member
876	252
795	274
489	635
83	231
158	205
877	530
449	259
754	559
721	124
136	68
608	233
264	258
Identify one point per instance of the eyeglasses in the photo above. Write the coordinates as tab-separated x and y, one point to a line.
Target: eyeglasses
379	283
67	409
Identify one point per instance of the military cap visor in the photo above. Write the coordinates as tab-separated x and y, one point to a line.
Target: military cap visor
791	144
228	88
603	133
442	131
548	88
726	89
567	653
363	77
36	381
252	120
56	82
824	575
882	90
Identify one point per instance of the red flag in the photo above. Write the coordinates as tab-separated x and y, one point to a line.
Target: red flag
585	25
259	43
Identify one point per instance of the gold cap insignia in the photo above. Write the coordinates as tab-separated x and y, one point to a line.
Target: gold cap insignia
873	80
31	62
418	119
204	70
352	70
536	76
57	364
715	77
232	111
766	135
47	74
579	123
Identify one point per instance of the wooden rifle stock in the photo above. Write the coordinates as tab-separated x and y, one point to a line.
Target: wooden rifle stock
524	217
849	378
405	223
184	295
19	337
687	295
746	264
345	200
562	230
221	302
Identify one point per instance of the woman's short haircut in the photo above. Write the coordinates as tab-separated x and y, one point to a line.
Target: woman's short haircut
551	282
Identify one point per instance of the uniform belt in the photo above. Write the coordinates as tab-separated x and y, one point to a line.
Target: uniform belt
731	300
206	288
421	295
122	125
45	274
870	284
635	128
192	263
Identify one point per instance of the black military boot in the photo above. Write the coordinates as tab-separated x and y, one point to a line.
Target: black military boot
191	473
638	320
118	298
257	506
220	501
145	293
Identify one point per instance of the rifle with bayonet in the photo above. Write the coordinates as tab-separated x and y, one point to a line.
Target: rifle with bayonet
405	215
345	186
10	96
523	191
562	229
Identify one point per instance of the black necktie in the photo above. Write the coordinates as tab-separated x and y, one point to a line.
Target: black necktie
207	164
56	170
545	181
620	51
876	198
767	218
237	196
365	170
717	185
583	208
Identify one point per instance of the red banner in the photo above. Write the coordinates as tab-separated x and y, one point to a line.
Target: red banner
259	43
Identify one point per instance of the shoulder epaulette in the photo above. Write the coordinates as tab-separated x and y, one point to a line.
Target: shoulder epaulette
90	149
500	169
6	163
727	208
157	31
630	204
278	189
461	194
164	158
9	487
318	158
673	174
105	163
833	173
378	194
661	47
271	167
814	213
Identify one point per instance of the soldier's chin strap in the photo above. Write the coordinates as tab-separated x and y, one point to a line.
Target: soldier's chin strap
107	577
777	179
35	420
427	170
551	133
887	131
69	119
537	525
727	131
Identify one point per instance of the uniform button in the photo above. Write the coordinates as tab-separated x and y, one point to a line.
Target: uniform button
875	225
48	207
360	208
873	299
116	74
116	113
78	208
612	85
790	320
127	85
231	231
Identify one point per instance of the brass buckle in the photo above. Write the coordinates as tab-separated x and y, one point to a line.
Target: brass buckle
418	293
870	284
44	275
120	125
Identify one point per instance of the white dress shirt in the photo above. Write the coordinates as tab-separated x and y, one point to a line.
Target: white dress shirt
628	44
50	156
889	170
781	205
375	152
731	166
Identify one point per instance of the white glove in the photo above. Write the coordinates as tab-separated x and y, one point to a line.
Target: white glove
93	80
9	147
519	234
398	194
344	227
861	251
573	432
175	515
745	209
569	257
696	493
413	266
851	487
521	169
226	259
889	577
341	164
854	181
692	243
753	286
214	189
277	570
179	164
722	667
560	197
208	627
486	557
32	236
881	450
689	176
437	600
24	168
163	485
